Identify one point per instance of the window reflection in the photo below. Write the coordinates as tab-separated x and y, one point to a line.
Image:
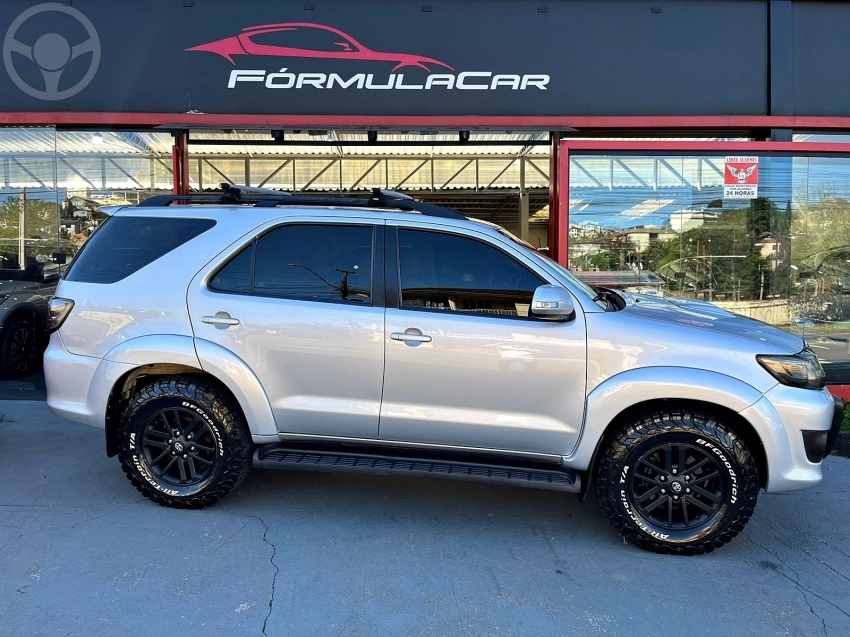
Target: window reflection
662	225
53	184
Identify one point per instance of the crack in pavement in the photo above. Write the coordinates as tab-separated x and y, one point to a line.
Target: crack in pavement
796	581
801	550
274	553
825	543
98	517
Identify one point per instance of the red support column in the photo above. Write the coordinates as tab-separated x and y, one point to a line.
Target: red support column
563	237
554	171
559	201
180	163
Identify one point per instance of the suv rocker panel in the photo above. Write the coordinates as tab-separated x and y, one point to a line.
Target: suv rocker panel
427	464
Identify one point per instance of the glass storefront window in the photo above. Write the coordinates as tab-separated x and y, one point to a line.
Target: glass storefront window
665	225
53	184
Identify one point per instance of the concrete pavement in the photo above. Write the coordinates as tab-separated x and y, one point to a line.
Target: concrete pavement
82	553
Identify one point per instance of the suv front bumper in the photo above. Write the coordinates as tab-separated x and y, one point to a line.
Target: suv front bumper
818	443
797	428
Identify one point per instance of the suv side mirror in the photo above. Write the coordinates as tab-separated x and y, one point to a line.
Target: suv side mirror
552	303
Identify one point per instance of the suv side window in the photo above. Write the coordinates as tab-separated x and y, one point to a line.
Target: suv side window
311	262
447	272
236	276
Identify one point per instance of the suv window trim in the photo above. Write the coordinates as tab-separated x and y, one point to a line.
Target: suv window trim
377	292
396	276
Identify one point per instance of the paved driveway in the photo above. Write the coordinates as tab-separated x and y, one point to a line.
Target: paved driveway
81	553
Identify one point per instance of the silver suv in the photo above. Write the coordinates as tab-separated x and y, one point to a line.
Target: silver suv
389	336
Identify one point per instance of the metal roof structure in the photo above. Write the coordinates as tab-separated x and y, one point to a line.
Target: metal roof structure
482	177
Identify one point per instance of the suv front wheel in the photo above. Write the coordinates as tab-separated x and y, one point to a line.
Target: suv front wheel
677	481
184	443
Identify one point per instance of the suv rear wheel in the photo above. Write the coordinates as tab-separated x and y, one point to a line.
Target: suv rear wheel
677	481
184	443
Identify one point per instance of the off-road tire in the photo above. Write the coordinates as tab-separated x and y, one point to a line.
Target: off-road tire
225	431
621	466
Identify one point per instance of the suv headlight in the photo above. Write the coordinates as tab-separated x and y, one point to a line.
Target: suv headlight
800	370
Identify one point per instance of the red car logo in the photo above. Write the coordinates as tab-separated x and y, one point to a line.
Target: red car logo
306	40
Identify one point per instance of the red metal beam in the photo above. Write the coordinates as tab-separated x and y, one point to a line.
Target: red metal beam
842	391
504	122
656	147
554	171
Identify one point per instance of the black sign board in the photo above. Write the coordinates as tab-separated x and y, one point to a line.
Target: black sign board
372	57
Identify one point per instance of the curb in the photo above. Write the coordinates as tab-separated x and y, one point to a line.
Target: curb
842	445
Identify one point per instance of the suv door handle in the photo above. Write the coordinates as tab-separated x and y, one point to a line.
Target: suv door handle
220	320
415	338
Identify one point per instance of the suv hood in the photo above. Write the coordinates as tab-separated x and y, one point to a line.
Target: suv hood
707	316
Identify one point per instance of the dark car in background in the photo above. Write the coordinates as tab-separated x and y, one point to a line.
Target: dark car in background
23	316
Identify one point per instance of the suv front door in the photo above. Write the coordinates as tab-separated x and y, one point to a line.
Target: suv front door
307	322
465	364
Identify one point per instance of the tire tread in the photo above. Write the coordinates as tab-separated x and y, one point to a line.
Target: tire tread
223	409
662	421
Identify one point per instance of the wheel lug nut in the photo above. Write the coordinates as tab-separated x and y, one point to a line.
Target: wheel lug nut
663	491
192	449
674	471
189	437
675	497
173	453
185	456
170	441
687	490
661	478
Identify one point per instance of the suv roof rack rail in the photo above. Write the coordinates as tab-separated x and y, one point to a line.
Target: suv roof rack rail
262	197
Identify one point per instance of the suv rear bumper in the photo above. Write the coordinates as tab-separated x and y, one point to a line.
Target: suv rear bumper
78	387
785	418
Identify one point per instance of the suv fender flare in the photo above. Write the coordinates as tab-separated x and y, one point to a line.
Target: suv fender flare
245	386
616	394
218	362
154	349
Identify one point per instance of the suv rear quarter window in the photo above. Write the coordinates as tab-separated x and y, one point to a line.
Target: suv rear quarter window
309	262
124	245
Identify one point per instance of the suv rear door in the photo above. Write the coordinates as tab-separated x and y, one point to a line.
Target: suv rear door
300	304
465	365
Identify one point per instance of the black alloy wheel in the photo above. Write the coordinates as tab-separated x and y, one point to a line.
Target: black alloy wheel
677	486
184	442
676	480
179	447
21	349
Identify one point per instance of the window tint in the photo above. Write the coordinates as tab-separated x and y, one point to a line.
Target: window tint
123	245
315	263
235	277
448	272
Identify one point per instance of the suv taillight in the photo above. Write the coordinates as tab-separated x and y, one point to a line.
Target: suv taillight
58	310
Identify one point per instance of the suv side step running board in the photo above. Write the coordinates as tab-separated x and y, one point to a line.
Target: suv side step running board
277	456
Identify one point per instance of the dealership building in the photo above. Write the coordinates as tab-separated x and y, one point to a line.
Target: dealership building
694	148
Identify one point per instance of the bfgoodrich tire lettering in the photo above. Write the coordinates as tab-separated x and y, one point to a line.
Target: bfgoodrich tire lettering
184	443
677	481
